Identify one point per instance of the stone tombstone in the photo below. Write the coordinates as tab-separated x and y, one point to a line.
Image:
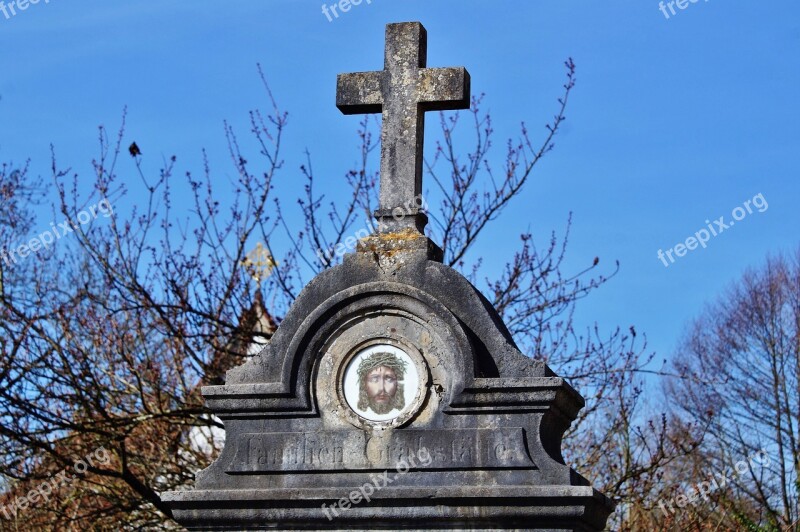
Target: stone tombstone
392	396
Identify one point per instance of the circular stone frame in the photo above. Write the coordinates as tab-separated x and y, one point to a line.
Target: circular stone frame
411	409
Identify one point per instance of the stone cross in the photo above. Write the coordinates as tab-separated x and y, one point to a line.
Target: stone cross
403	91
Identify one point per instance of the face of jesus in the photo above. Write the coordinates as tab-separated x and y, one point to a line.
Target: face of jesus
381	385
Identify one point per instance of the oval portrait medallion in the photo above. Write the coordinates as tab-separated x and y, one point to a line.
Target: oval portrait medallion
380	382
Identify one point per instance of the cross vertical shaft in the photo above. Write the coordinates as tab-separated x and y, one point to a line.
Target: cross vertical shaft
403	91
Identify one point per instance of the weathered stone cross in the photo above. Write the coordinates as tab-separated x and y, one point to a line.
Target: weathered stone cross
403	91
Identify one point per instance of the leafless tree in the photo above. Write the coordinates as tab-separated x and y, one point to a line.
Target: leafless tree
740	388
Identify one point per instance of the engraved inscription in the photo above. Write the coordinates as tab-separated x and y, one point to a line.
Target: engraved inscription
347	450
294	451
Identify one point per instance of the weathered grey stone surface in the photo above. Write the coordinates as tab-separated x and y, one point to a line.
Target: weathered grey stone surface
403	91
479	445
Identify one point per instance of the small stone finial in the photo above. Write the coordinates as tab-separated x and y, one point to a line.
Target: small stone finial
259	263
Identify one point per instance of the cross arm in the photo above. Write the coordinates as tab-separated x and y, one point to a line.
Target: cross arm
442	89
359	92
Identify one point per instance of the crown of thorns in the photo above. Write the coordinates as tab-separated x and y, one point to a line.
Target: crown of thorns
377	360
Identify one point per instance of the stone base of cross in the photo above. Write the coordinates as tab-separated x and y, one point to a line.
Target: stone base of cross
400	218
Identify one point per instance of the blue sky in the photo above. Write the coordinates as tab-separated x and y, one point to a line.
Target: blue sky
673	121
